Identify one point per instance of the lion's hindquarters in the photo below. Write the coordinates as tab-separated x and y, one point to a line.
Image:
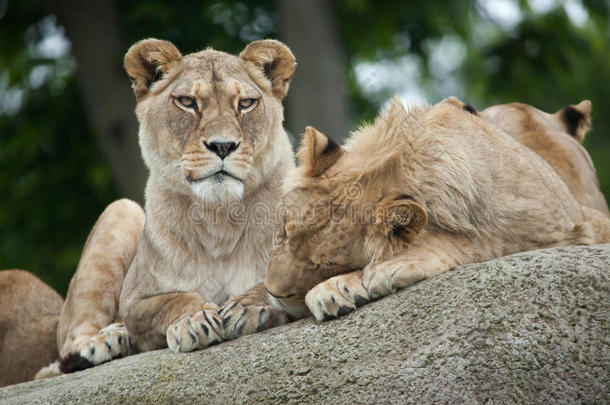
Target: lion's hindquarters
29	315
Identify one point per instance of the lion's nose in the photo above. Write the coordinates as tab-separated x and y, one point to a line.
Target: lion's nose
222	149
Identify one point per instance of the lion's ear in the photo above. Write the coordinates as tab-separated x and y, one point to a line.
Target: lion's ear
400	216
317	152
274	60
147	61
575	119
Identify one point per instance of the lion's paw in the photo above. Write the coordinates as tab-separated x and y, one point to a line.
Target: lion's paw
198	331
240	319
387	277
111	342
336	296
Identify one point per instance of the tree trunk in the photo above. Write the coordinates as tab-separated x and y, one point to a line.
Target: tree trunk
316	95
97	43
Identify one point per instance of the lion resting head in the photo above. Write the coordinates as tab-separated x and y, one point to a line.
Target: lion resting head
418	192
333	223
206	118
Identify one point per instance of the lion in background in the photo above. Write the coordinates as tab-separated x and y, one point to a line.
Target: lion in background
436	187
212	136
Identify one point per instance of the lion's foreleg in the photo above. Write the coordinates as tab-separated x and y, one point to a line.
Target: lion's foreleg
430	254
92	301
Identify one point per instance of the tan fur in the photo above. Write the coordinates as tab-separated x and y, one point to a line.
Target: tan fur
92	299
206	235
201	243
418	192
546	134
28	321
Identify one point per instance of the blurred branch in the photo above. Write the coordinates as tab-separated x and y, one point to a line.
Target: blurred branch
93	29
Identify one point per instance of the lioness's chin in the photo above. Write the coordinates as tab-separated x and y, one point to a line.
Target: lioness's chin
219	189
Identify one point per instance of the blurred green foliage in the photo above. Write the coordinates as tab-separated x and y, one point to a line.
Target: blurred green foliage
55	182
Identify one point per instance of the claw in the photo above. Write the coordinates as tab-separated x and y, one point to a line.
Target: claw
224	310
225	321
360	300
204	328
262	319
213	322
344	310
239	326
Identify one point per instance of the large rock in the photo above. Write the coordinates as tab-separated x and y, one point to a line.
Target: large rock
527	328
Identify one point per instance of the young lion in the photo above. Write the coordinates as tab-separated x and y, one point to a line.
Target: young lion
413	195
211	135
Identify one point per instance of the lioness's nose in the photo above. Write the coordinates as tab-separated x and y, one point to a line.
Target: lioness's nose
222	149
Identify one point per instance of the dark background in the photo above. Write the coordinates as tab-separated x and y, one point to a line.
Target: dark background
68	135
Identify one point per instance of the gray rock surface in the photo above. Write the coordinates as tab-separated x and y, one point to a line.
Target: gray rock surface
527	328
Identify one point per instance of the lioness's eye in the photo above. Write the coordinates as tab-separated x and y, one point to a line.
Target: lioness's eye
187	102
247	103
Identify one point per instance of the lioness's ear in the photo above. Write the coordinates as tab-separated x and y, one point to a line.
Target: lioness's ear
274	60
575	119
317	152
400	216
147	61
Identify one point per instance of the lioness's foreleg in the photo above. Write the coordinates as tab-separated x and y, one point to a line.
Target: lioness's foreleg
84	337
183	321
250	312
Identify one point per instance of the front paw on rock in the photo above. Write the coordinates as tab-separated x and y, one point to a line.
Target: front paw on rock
333	298
111	342
239	319
198	331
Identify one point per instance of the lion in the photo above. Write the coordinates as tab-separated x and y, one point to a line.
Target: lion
212	137
557	138
417	193
28	324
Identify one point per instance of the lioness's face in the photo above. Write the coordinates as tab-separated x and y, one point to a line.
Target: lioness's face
214	116
205	118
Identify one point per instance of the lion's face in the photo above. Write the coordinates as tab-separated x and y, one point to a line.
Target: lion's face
319	237
332	224
206	118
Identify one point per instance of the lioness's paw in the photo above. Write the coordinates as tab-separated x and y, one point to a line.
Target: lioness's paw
111	342
240	319
195	332
336	296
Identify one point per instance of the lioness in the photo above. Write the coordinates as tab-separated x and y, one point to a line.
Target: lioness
28	325
556	138
418	192
211	135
